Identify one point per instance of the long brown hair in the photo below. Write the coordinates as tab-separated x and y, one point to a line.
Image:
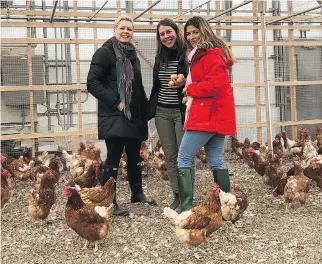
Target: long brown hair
208	38
162	51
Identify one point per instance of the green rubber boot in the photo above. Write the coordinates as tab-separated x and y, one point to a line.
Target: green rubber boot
185	186
193	176
221	177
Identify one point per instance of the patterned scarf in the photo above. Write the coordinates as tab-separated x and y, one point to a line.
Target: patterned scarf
125	52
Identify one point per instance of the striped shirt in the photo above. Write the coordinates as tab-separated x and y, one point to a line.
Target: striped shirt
168	97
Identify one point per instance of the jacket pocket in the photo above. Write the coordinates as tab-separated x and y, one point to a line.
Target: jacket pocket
201	110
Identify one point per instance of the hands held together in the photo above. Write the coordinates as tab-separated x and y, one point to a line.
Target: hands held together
178	81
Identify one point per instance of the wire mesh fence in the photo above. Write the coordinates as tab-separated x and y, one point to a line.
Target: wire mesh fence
44	101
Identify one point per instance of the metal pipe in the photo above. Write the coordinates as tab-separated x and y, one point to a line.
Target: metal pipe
146	10
192	9
112	9
59	19
293	15
68	72
46	70
56	66
230	9
266	81
53	13
98	10
62	77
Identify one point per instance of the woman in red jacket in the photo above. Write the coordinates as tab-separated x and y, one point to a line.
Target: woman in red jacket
210	113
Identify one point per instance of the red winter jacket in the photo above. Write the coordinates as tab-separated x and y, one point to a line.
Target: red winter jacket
213	106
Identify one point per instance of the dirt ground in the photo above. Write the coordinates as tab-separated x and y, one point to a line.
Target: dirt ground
266	234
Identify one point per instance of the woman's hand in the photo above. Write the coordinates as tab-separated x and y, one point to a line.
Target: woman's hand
184	100
177	81
120	107
184	90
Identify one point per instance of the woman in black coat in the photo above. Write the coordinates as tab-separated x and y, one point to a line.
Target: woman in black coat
115	80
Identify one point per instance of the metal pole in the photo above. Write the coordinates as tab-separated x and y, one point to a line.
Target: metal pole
192	9
230	9
53	13
293	15
46	71
62	19
266	82
146	10
99	10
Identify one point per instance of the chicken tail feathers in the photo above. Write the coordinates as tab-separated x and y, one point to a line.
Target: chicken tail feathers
171	214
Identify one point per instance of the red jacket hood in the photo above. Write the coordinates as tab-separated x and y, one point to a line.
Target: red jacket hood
219	52
215	51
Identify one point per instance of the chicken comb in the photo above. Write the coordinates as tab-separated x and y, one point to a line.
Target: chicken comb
316	165
6	173
67	191
295	160
3	158
49	174
112	179
91	146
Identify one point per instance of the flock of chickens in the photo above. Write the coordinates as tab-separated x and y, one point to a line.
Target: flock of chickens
89	204
306	160
88	208
194	226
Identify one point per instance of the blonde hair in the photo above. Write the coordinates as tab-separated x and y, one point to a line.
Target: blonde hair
208	38
122	18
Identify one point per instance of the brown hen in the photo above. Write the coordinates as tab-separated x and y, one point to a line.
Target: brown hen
194	226
88	221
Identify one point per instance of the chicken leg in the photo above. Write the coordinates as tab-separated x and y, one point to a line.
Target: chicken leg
85	245
96	246
287	207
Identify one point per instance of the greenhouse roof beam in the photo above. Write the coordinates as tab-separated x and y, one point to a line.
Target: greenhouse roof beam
98	10
192	9
146	10
293	15
53	13
230	9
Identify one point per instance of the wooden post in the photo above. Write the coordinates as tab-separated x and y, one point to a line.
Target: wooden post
150	11
31	93
257	77
78	79
179	13
217	8
95	23
266	82
291	55
118	7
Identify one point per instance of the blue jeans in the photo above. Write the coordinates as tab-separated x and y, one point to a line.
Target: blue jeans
193	141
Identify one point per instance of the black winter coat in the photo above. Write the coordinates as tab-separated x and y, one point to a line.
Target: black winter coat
152	105
102	84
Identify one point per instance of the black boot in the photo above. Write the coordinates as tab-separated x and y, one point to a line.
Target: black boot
135	181
176	201
111	171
